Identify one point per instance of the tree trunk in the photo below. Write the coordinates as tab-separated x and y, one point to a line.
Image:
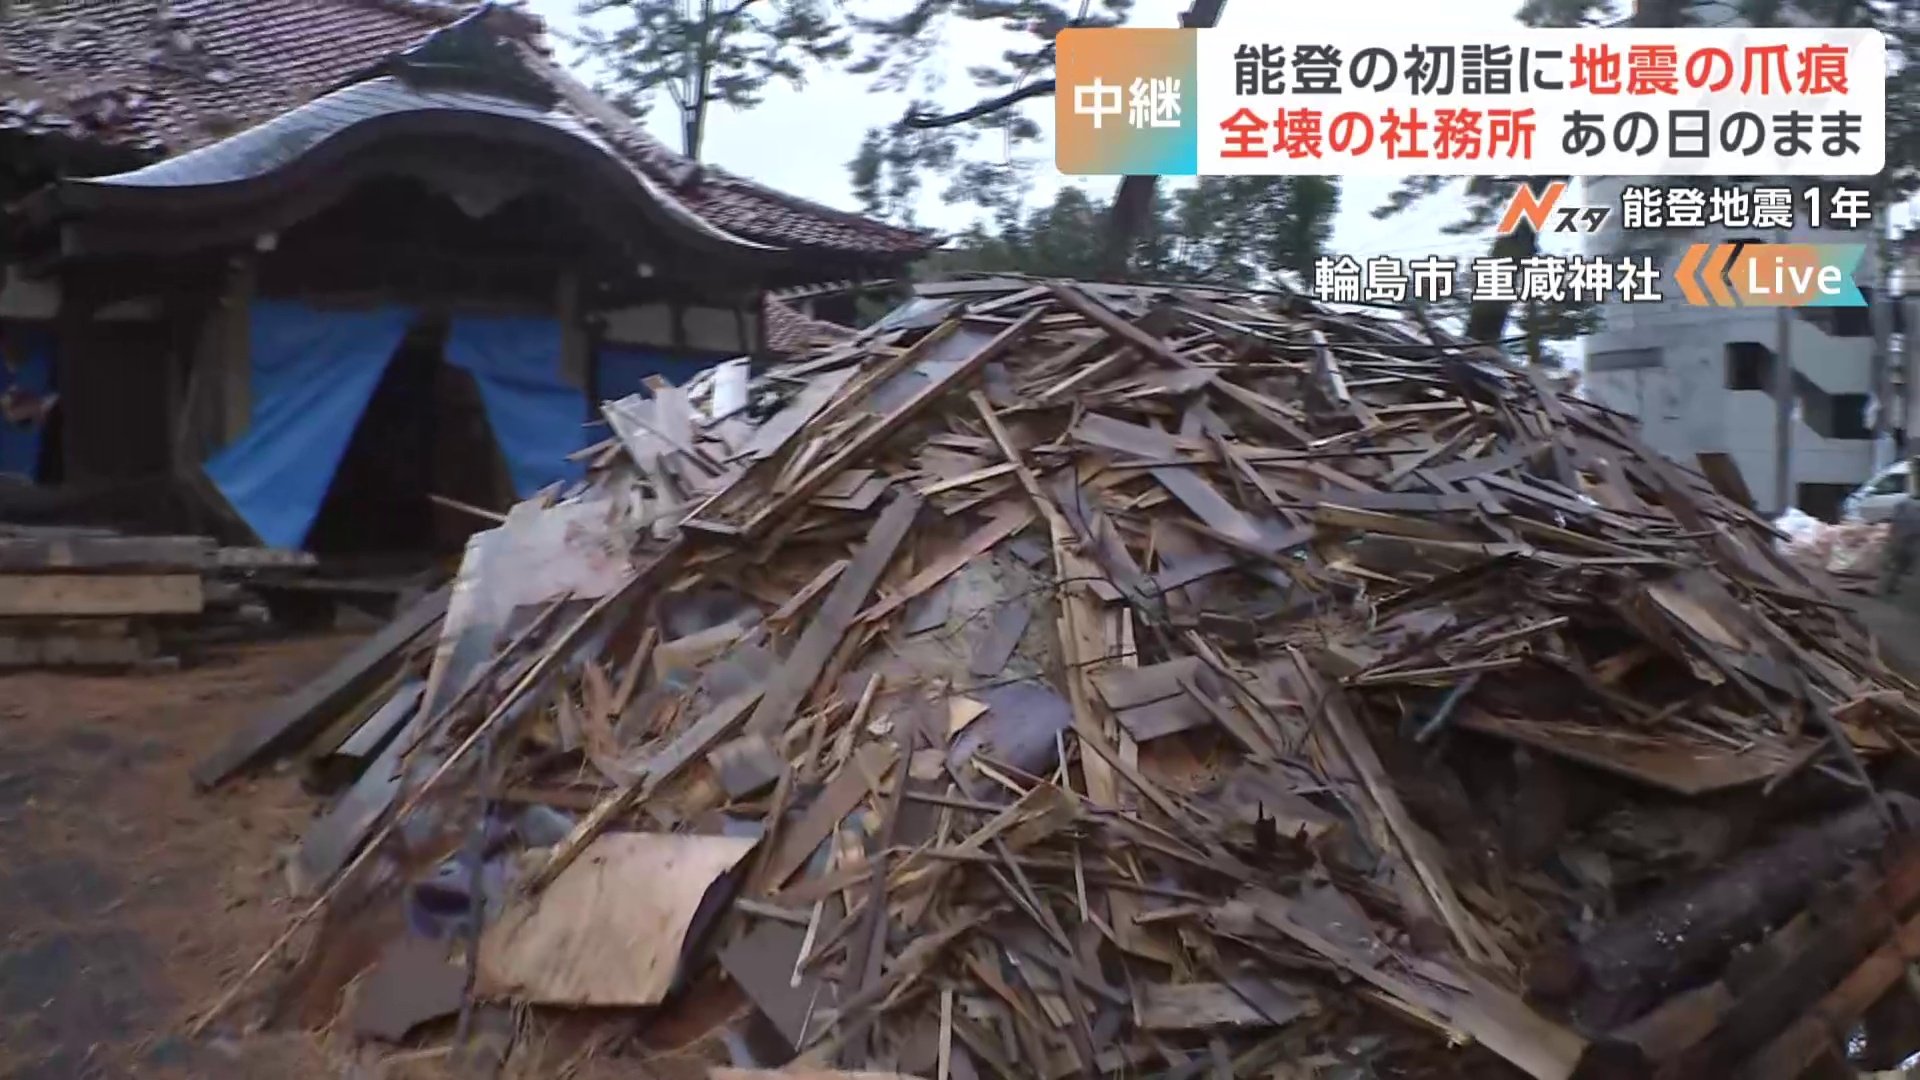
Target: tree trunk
694	116
1133	201
1487	319
1126	221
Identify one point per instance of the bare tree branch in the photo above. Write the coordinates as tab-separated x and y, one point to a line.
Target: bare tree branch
925	121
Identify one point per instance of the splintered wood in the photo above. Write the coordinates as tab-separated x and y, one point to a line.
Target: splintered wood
1089	679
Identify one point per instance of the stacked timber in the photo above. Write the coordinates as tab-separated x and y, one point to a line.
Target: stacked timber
72	597
1065	679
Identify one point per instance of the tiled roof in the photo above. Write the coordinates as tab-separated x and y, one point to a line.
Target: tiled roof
166	76
791	331
279	143
735	204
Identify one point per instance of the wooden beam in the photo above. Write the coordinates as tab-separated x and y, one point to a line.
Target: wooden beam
235	351
883	428
192	553
307	711
100	594
791	684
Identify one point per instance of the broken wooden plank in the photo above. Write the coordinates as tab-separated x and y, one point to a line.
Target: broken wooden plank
304	713
873	433
796	677
849	788
1202	1006
688	746
1684	767
1010	519
612	929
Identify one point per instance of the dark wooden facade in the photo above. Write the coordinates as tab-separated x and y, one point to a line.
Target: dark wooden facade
449	187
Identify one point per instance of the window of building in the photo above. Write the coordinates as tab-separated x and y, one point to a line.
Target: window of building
1749	366
1849	417
1821	500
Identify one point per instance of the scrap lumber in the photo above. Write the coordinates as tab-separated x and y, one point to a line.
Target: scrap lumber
68	595
611	930
93	598
1084	679
307	711
106	553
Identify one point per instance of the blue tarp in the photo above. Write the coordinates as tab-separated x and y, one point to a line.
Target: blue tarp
32	349
537	418
313	374
618	369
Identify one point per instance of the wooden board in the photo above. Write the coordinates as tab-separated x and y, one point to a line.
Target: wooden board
307	711
1724	474
612	928
791	684
100	594
192	553
1199	1006
1682	768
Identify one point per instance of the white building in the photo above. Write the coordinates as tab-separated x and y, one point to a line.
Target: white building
1701	379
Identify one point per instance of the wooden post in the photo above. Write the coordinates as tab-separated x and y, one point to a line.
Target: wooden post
235	355
1133	199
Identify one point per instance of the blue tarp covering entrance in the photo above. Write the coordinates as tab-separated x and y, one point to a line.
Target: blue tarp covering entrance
619	369
31	348
537	418
313	373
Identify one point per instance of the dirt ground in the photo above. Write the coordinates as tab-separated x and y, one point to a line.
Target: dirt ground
128	899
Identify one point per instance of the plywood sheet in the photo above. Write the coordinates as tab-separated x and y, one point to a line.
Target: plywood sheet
612	927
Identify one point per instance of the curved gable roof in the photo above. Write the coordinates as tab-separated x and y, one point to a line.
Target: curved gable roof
117	72
386	107
108	72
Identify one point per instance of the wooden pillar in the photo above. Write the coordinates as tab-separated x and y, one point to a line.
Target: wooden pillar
233	355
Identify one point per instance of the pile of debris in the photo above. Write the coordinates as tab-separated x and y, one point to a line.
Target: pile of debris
1073	679
79	597
1852	551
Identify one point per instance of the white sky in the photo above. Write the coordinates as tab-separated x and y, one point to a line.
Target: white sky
801	140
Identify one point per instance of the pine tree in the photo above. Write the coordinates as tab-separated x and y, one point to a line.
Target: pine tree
703	53
1243	231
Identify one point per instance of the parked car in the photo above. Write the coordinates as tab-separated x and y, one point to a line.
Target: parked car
1876	499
